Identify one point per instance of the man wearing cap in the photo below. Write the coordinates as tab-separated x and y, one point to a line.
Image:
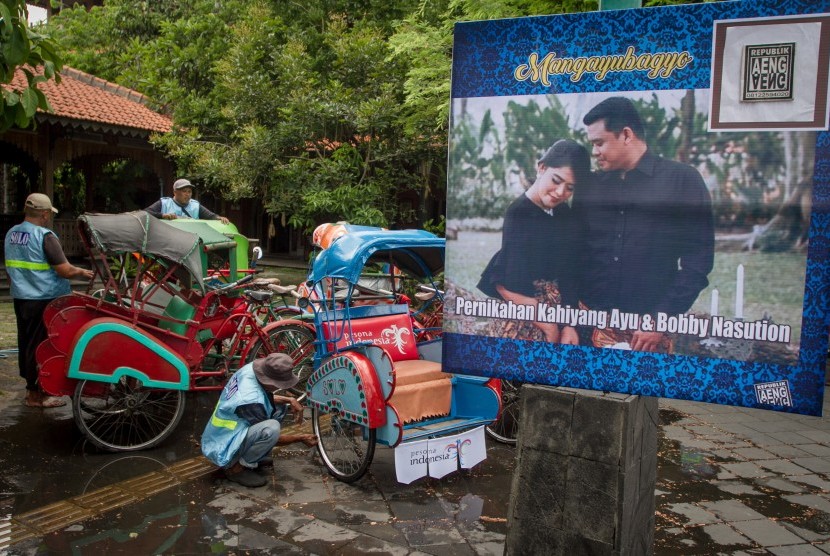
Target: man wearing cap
39	272
245	426
182	205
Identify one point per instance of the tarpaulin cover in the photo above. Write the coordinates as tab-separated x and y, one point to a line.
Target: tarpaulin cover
139	232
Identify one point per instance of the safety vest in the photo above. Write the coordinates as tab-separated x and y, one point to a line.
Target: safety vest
31	275
169	205
225	431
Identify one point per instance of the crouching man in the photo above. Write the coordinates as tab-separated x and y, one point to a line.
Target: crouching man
245	426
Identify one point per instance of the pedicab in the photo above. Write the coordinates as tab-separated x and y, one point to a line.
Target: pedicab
375	380
159	327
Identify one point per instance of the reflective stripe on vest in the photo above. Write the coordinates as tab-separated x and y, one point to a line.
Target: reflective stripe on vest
28	265
222	423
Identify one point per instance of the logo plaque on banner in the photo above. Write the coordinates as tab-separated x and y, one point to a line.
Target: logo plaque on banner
768	72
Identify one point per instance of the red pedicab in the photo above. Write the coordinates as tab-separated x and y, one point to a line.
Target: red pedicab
128	353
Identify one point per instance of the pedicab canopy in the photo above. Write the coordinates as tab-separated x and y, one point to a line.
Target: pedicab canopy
139	232
416	252
228	249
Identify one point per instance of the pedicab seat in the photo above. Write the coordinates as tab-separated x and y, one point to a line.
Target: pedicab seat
179	309
421	389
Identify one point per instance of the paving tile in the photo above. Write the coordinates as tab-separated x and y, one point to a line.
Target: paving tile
321	537
806	534
737	488
281	520
699	444
813	480
796	550
774	426
425	533
746	469
815	464
721	533
816	449
794	439
766	532
732	510
724	454
783	467
364	544
726	440
675	432
788	451
738	429
778	483
695	515
817	436
811	501
753	453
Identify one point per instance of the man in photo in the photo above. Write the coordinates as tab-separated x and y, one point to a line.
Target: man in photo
646	228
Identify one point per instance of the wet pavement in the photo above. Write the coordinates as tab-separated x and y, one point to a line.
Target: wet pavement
730	481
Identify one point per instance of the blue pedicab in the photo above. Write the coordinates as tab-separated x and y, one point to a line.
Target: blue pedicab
375	379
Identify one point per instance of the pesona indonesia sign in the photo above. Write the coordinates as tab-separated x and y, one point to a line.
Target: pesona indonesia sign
637	202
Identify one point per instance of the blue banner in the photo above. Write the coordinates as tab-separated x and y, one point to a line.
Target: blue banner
637	202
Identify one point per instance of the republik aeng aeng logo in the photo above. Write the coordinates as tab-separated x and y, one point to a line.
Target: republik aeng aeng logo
768	72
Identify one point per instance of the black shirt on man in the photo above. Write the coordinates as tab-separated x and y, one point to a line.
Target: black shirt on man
646	240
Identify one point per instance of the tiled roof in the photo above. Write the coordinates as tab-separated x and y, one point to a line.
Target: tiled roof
82	97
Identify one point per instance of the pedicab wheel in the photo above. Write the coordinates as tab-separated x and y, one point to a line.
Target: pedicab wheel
125	416
298	342
347	448
506	428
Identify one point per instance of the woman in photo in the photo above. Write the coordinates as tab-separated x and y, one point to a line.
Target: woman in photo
536	262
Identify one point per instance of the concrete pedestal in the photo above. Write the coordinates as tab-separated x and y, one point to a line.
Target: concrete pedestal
585	474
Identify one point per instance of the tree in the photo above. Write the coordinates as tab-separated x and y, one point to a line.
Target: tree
31	51
324	110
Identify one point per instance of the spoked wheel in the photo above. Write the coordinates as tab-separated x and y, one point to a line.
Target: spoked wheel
347	448
126	416
506	428
298	342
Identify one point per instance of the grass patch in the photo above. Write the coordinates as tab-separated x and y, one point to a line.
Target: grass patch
8	326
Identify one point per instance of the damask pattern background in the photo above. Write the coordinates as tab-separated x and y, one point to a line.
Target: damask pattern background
484	58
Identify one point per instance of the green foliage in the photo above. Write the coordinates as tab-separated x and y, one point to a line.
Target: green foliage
32	51
324	110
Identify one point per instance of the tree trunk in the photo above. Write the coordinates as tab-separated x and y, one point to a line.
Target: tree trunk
687	122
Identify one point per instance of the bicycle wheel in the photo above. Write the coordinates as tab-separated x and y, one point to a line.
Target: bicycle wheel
126	416
506	428
298	342
347	448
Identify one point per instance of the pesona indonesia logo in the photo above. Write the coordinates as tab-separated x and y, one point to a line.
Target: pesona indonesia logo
396	335
458	447
774	393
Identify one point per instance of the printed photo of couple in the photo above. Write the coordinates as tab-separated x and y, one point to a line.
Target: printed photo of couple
617	220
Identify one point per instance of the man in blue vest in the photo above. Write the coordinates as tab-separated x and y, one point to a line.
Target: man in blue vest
182	205
39	272
246	423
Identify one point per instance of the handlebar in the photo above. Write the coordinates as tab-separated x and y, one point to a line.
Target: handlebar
234	285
